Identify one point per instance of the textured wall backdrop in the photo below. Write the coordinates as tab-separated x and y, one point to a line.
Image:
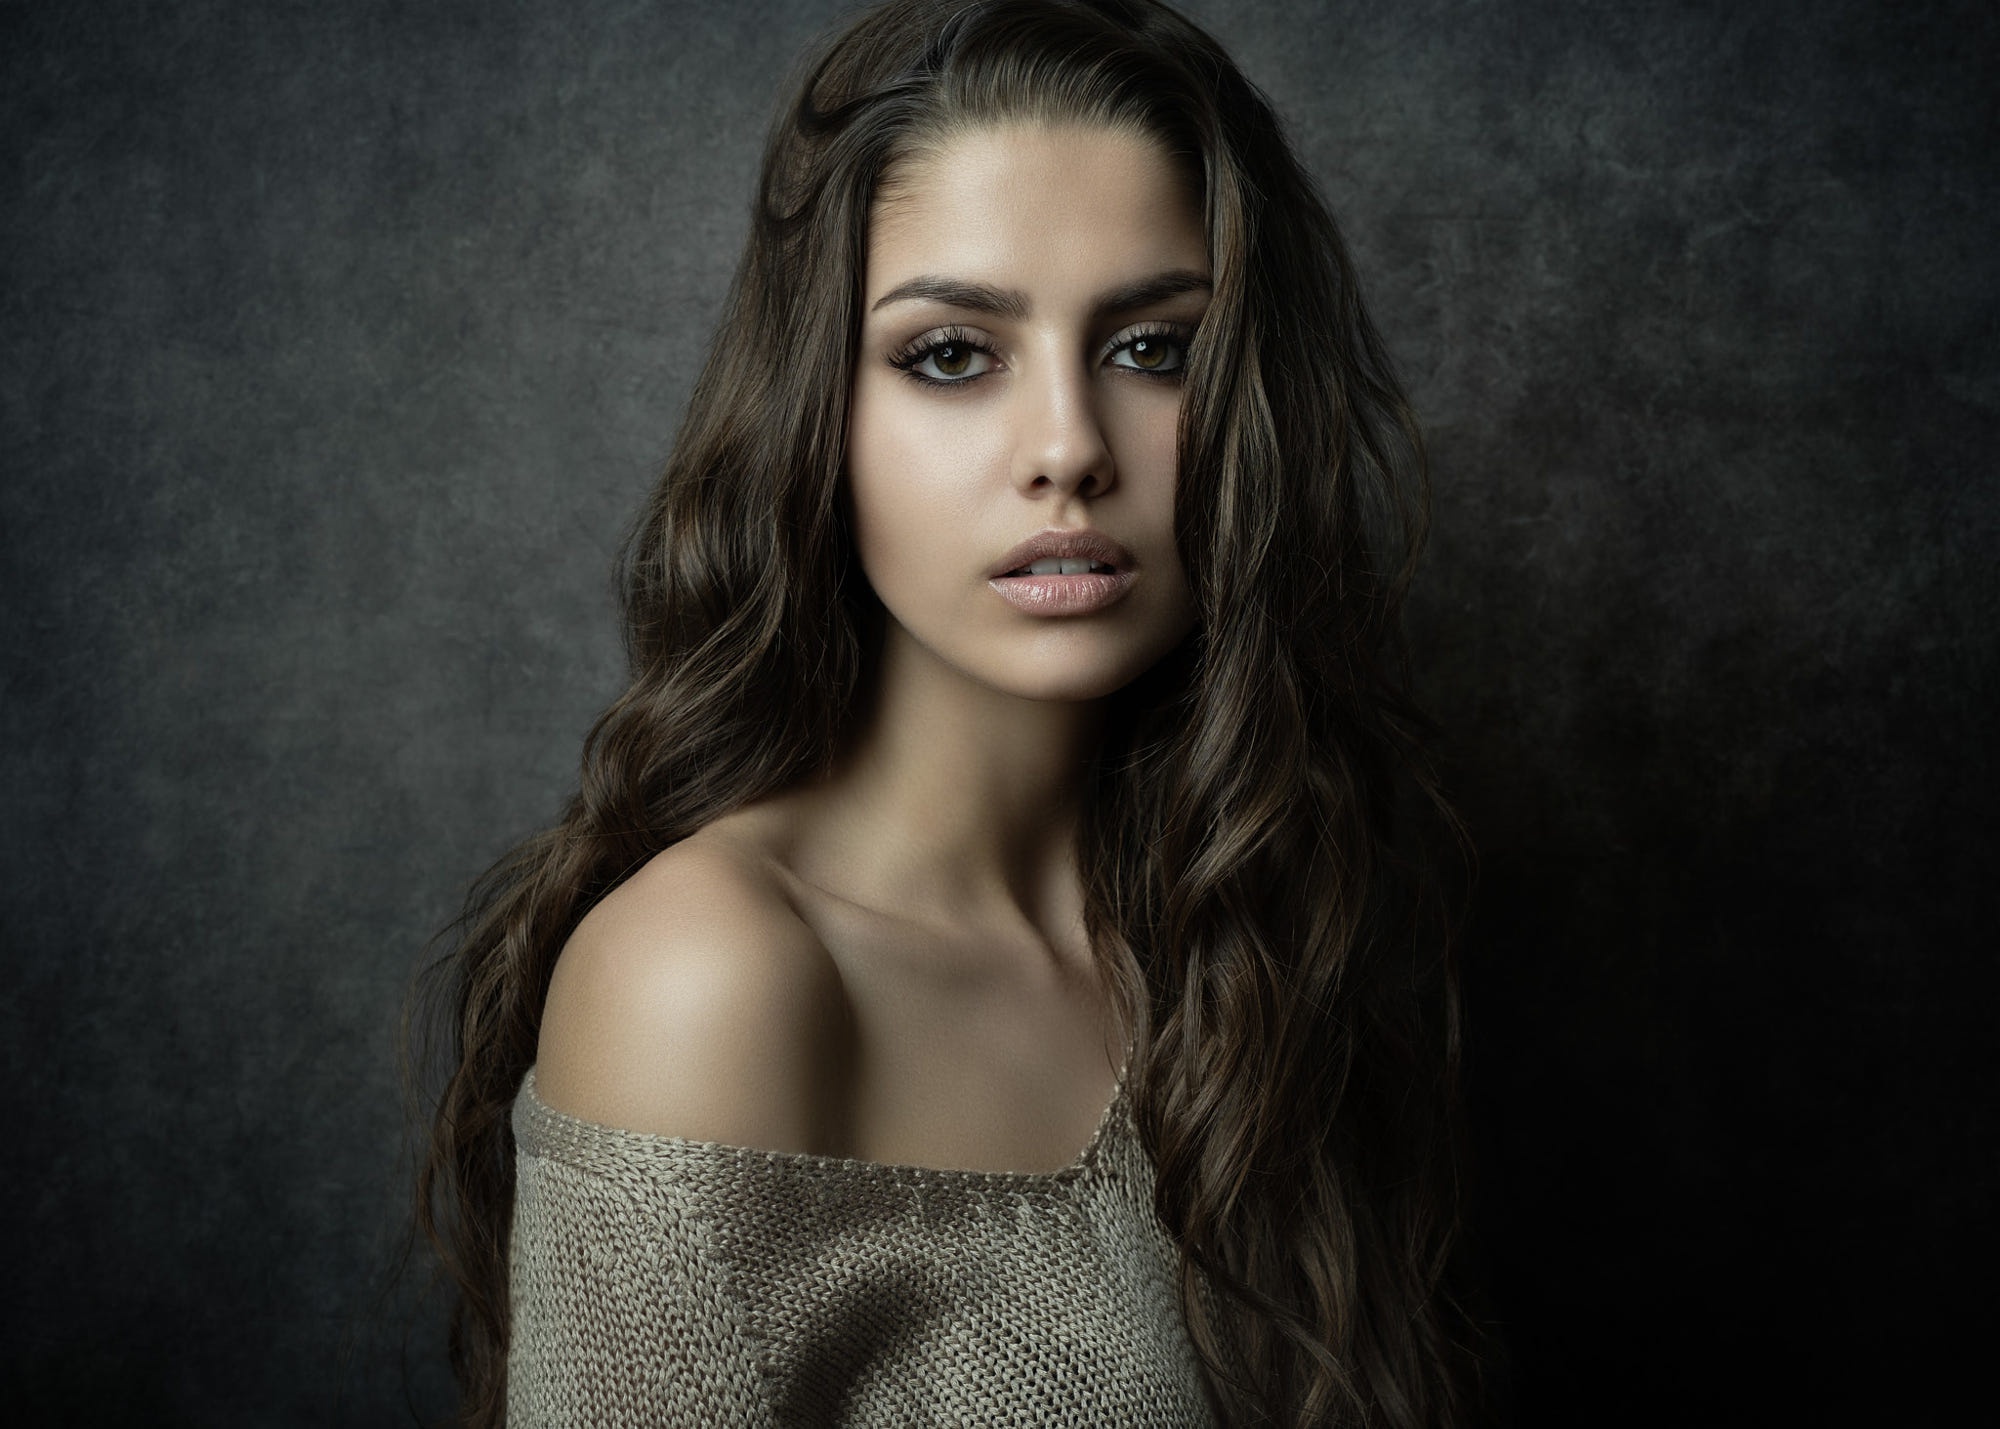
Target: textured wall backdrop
340	341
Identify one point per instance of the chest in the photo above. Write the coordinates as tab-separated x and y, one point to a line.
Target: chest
958	1055
967	1306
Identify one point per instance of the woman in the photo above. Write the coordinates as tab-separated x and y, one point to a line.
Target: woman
1007	768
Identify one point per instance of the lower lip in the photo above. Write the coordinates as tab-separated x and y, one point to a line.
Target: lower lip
1063	595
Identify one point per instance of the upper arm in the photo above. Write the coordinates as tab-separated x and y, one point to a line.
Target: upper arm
694	1002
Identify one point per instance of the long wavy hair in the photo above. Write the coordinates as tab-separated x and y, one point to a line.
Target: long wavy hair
1295	1025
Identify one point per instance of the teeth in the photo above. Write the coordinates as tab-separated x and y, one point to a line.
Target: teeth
1052	566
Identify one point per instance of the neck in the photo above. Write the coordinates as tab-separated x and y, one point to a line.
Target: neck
967	798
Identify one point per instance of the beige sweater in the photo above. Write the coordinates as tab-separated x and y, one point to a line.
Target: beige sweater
660	1281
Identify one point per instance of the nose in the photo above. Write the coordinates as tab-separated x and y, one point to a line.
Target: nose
1060	448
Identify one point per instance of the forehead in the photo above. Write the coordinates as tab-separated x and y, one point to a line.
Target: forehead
1033	203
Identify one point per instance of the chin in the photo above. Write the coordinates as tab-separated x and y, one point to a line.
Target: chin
1071	687
1072	665
1072	676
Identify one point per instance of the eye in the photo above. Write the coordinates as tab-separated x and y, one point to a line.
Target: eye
952	359
1152	350
944	359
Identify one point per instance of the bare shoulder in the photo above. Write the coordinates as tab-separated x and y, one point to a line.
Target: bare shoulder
693	1001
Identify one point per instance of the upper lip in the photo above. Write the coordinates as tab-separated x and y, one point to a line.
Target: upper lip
1085	545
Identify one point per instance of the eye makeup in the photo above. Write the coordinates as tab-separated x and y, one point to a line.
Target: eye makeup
948	348
940	346
1168	343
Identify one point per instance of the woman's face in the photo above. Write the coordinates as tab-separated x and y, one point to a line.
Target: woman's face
1030	295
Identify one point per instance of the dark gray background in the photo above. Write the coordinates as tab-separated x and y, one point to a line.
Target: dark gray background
340	341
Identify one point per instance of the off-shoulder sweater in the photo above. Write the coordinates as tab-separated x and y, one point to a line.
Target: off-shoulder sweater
662	1281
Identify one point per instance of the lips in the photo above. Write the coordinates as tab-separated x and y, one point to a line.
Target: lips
1053	544
1063	595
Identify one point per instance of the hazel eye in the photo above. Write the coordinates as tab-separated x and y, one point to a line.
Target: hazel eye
1151	352
951	359
946	359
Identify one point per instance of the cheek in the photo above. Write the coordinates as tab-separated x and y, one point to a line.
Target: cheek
1148	451
914	472
1146	446
897	499
872	455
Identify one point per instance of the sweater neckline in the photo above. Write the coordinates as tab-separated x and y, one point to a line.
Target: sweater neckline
814	1164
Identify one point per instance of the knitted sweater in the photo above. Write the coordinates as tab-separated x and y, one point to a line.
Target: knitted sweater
662	1281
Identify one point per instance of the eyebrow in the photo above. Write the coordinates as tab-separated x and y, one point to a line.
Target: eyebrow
1013	303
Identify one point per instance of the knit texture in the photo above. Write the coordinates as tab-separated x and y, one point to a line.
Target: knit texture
661	1281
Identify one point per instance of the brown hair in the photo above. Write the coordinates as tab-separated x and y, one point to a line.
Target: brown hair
1295	1036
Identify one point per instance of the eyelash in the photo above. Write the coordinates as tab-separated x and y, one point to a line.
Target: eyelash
909	358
